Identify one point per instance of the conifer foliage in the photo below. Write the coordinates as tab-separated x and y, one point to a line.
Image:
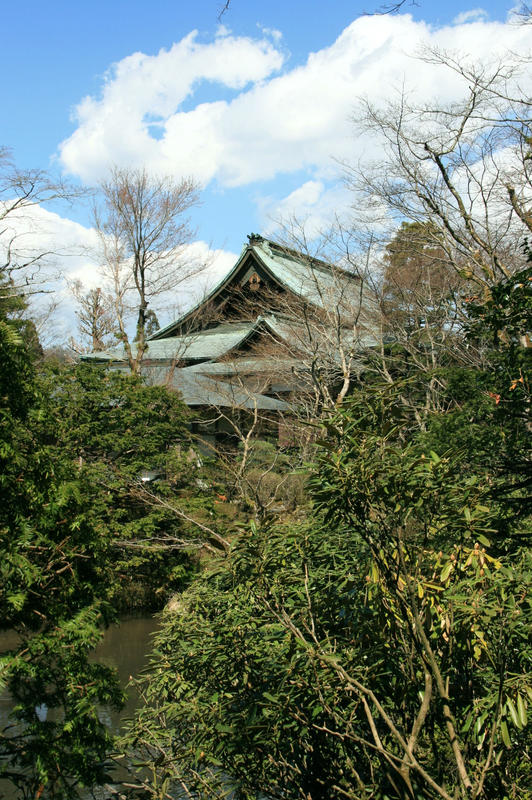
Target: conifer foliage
51	592
77	541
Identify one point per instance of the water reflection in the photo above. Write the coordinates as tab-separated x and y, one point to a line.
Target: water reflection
8	641
126	647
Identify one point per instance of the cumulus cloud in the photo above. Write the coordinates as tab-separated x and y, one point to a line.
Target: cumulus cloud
274	121
215	265
56	250
57	246
235	112
137	118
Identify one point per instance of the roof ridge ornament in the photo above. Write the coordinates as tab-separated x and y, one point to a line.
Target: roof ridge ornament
255	238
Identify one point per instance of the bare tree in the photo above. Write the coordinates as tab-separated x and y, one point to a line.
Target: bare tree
320	333
384	8
21	192
96	320
143	230
259	476
388	310
462	168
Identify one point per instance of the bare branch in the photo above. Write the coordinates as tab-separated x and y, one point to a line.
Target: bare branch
143	230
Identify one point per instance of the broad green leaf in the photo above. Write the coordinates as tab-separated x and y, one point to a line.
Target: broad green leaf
505	735
446	571
513	713
521	710
467	723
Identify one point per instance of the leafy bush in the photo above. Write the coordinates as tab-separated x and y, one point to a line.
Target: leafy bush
382	650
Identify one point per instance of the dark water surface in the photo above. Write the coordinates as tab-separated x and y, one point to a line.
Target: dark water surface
126	647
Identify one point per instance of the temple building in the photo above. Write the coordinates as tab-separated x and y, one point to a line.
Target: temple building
274	327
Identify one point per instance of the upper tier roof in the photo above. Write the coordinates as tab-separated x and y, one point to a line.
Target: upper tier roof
310	279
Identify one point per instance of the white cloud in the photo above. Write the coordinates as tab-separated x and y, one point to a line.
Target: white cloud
313	205
275	34
71	255
142	91
275	123
307	195
215	265
62	246
473	15
62	251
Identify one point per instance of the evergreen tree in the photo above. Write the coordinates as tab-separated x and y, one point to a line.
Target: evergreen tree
129	446
51	591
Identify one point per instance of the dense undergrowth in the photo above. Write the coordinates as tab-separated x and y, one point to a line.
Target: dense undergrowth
358	627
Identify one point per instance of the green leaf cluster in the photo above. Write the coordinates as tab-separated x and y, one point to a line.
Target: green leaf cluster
116	432
382	649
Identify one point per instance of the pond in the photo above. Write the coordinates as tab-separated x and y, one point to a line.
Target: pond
125	646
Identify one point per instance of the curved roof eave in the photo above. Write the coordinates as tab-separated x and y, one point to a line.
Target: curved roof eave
250	248
160	334
239	338
263	256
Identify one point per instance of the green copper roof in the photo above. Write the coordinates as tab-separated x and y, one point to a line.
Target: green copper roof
212	356
199	390
198	346
243	366
320	284
205	349
315	281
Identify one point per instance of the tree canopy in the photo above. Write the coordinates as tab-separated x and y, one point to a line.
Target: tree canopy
381	649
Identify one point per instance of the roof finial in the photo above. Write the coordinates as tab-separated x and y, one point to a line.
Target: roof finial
255	238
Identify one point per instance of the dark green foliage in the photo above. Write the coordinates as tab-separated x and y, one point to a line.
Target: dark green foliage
267	480
300	629
488	408
82	535
238	681
51	586
72	447
129	447
114	418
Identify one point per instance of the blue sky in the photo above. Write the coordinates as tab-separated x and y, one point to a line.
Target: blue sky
55	53
256	107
